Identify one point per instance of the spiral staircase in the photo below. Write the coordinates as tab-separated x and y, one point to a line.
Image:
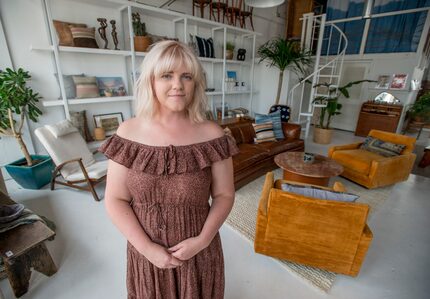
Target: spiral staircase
328	44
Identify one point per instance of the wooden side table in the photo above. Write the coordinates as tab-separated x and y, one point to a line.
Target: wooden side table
425	160
317	173
23	248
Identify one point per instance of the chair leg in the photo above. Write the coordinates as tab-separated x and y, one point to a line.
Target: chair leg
53	182
252	24
93	191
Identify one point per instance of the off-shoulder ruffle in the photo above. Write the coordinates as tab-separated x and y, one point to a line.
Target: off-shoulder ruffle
171	159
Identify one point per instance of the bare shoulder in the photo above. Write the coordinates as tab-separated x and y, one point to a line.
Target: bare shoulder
210	130
128	128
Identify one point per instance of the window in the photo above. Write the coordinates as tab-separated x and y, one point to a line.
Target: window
380	6
354	33
342	9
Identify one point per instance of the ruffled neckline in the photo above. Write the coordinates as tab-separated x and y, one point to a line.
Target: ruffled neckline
170	159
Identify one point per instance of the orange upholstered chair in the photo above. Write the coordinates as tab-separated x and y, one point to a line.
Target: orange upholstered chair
327	234
373	170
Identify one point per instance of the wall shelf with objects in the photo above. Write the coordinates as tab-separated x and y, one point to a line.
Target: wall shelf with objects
82	60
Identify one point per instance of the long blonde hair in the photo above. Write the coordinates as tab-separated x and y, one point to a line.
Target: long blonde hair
163	57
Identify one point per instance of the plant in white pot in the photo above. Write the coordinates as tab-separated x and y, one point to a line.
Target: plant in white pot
322	131
17	101
141	39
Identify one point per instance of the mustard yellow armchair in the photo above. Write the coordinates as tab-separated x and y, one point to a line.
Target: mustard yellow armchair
370	169
327	234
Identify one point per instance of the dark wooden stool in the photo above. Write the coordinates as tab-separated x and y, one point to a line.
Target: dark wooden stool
23	248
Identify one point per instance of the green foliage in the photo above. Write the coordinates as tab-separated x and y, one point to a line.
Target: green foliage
331	101
229	46
421	107
139	28
283	53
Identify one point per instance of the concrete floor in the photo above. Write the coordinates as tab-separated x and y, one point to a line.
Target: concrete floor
90	253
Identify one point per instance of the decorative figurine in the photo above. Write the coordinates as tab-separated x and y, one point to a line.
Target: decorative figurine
102	30
241	54
114	34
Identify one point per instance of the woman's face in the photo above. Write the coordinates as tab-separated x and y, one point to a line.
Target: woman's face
174	89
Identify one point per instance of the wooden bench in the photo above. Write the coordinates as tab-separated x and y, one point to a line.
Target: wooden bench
23	248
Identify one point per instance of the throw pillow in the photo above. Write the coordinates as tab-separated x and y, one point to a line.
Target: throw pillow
319	193
64	34
380	147
275	118
264	132
84	37
86	87
285	111
62	128
79	120
69	85
206	47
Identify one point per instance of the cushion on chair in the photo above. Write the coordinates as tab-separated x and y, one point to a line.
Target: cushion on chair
383	148
65	148
62	128
284	109
408	141
94	171
275	118
319	193
264	132
358	160
277	147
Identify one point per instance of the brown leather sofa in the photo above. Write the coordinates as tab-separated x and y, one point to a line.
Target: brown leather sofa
255	160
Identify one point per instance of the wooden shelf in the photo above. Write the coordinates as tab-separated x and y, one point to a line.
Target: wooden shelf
88	101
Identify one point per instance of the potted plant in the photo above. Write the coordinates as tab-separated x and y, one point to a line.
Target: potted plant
229	52
17	100
420	110
282	53
322	131
141	39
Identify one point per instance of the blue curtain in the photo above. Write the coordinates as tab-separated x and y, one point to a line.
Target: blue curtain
380	6
341	9
399	33
354	33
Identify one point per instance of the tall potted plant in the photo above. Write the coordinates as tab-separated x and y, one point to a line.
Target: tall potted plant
322	131
141	39
420	110
17	100
282	53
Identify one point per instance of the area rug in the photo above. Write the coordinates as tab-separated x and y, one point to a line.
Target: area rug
243	220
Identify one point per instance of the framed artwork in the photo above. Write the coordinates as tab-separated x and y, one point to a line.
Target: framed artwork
110	122
399	81
232	75
383	82
111	86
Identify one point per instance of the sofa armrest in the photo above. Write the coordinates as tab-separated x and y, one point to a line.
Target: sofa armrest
291	130
391	169
332	149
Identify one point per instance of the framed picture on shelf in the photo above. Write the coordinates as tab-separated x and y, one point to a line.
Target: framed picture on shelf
383	82
399	81
232	75
109	122
111	86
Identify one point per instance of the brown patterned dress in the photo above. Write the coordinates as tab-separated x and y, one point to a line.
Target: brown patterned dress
170	187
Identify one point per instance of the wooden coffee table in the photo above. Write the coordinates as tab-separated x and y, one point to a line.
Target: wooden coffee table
317	173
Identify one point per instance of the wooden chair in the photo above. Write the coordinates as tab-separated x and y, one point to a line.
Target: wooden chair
220	7
201	4
72	158
232	11
244	13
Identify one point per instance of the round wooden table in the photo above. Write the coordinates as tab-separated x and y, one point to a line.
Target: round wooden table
317	173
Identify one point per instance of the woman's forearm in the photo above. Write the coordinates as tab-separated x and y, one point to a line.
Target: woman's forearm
220	208
125	220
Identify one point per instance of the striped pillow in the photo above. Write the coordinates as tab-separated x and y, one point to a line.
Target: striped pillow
86	87
275	118
206	47
84	37
264	132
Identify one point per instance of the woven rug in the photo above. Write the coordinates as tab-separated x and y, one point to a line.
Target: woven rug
243	220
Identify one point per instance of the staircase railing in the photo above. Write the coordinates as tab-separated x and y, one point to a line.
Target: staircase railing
327	67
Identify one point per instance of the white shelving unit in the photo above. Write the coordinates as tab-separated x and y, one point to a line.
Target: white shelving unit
180	26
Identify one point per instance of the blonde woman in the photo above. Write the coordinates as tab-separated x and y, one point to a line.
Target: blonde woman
164	165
